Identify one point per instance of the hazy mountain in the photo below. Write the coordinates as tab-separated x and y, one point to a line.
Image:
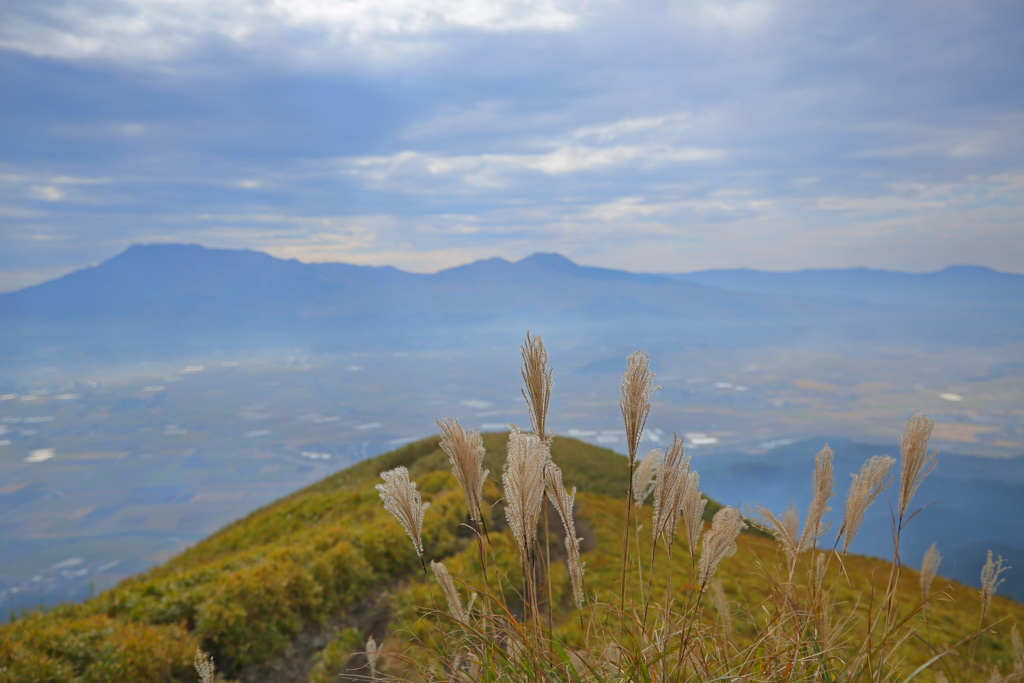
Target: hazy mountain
961	285
183	299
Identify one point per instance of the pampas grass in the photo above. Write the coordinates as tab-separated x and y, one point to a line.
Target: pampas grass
874	477
465	451
823	482
401	499
929	568
810	627
523	479
537	383
372	656
635	404
917	463
451	595
564	502
645	475
719	542
204	667
990	580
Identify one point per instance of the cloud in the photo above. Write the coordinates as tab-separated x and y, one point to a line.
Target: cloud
585	150
164	29
47	193
649	135
492	170
924	197
736	15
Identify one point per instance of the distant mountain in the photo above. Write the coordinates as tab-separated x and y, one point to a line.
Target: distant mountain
962	285
175	300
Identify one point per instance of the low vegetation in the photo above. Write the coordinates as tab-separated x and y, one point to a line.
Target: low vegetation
630	574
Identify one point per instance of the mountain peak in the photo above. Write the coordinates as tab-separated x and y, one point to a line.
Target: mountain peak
547	260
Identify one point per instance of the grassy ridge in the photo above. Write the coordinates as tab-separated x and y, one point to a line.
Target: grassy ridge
248	590
312	558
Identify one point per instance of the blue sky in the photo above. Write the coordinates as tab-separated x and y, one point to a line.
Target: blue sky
649	136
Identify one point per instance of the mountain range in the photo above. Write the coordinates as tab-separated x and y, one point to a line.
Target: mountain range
177	300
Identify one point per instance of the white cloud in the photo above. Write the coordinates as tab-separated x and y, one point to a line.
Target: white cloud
918	197
491	170
47	193
736	15
728	203
612	131
162	29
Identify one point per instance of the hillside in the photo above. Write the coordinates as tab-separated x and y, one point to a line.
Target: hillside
291	591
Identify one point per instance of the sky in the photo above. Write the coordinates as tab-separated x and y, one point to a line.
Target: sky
664	136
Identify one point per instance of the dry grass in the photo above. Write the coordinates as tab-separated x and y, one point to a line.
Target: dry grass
401	499
806	620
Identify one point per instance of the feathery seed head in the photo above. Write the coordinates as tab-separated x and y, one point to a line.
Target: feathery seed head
537	378
204	666
523	478
669	491
915	461
929	568
791	520
450	593
372	655
693	505
466	452
637	388
819	570
824	480
403	501
643	478
564	502
675	454
785	530
719	542
874	477
990	580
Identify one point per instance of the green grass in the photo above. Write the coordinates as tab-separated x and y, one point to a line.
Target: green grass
310	560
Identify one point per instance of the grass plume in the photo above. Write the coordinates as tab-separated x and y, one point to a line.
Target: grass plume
523	479
538	383
823	482
929	568
564	502
719	542
465	451
916	462
874	477
645	475
401	499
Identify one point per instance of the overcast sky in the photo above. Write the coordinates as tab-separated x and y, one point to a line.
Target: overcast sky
648	136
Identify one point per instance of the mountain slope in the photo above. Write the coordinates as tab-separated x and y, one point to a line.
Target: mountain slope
320	570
